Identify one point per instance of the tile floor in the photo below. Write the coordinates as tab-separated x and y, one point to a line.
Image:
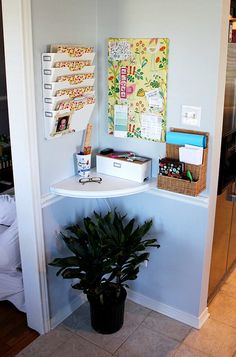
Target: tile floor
145	333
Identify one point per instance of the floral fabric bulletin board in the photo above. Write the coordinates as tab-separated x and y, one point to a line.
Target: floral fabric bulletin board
137	87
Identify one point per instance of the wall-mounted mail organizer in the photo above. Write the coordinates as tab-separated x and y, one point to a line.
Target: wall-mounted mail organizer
183	177
68	89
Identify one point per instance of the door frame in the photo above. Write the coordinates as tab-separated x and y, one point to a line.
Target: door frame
18	42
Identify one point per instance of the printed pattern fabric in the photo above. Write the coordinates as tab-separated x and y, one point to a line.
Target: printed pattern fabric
73	65
74	105
76	78
74	51
138	68
75	92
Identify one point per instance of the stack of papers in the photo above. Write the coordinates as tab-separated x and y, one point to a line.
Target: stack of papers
179	138
191	154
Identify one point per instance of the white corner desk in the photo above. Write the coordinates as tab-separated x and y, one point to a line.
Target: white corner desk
110	186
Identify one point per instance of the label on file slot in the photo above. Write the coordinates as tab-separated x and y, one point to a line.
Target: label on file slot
47	58
48	114
48	100
47	72
47	86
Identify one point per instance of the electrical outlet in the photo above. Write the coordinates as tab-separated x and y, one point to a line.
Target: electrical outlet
191	115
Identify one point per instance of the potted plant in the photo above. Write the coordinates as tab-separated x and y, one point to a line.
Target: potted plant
106	254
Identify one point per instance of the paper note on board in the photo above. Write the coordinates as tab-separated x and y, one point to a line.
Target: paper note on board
151	126
155	99
191	154
120	120
119	50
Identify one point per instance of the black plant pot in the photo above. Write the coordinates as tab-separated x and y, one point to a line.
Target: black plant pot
107	318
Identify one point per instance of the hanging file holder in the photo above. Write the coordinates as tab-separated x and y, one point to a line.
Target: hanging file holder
198	172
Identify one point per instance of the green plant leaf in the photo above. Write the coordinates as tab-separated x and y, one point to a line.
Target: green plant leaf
76	246
141	231
129	228
107	250
73	274
65	262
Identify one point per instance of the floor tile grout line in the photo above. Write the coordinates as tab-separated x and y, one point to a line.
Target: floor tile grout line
68	329
191	348
83	338
164	334
176	350
141	323
126	339
223	323
75	333
230	283
196	349
223	292
94	343
132	332
51	353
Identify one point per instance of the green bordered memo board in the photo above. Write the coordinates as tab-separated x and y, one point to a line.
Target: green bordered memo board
137	87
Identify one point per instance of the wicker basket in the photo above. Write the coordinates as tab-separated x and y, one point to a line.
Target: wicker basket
198	171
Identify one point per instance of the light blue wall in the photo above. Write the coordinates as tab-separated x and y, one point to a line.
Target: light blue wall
57	216
59	22
173	275
197	31
178	272
193	28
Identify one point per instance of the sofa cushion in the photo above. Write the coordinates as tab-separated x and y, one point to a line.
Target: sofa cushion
9	249
7	210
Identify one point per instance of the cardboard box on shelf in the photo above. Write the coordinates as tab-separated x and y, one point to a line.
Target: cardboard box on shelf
138	169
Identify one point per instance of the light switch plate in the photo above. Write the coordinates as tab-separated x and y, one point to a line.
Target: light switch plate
191	115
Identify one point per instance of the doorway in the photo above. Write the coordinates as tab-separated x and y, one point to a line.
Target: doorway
223	257
14	332
6	174
18	45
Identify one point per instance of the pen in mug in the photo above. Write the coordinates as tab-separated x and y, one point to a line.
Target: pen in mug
87	140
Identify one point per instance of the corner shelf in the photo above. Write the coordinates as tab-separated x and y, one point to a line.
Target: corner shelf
109	187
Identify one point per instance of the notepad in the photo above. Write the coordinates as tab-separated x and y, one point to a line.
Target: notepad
191	154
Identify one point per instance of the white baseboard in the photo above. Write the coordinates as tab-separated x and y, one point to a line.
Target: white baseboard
169	311
66	311
203	317
49	199
140	299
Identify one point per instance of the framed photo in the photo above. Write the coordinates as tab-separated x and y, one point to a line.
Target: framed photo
62	124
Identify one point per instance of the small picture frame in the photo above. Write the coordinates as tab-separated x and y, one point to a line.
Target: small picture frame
62	124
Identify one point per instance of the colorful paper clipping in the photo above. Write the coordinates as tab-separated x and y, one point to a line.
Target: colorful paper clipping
137	87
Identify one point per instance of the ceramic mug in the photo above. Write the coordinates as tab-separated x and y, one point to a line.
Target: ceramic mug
83	164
